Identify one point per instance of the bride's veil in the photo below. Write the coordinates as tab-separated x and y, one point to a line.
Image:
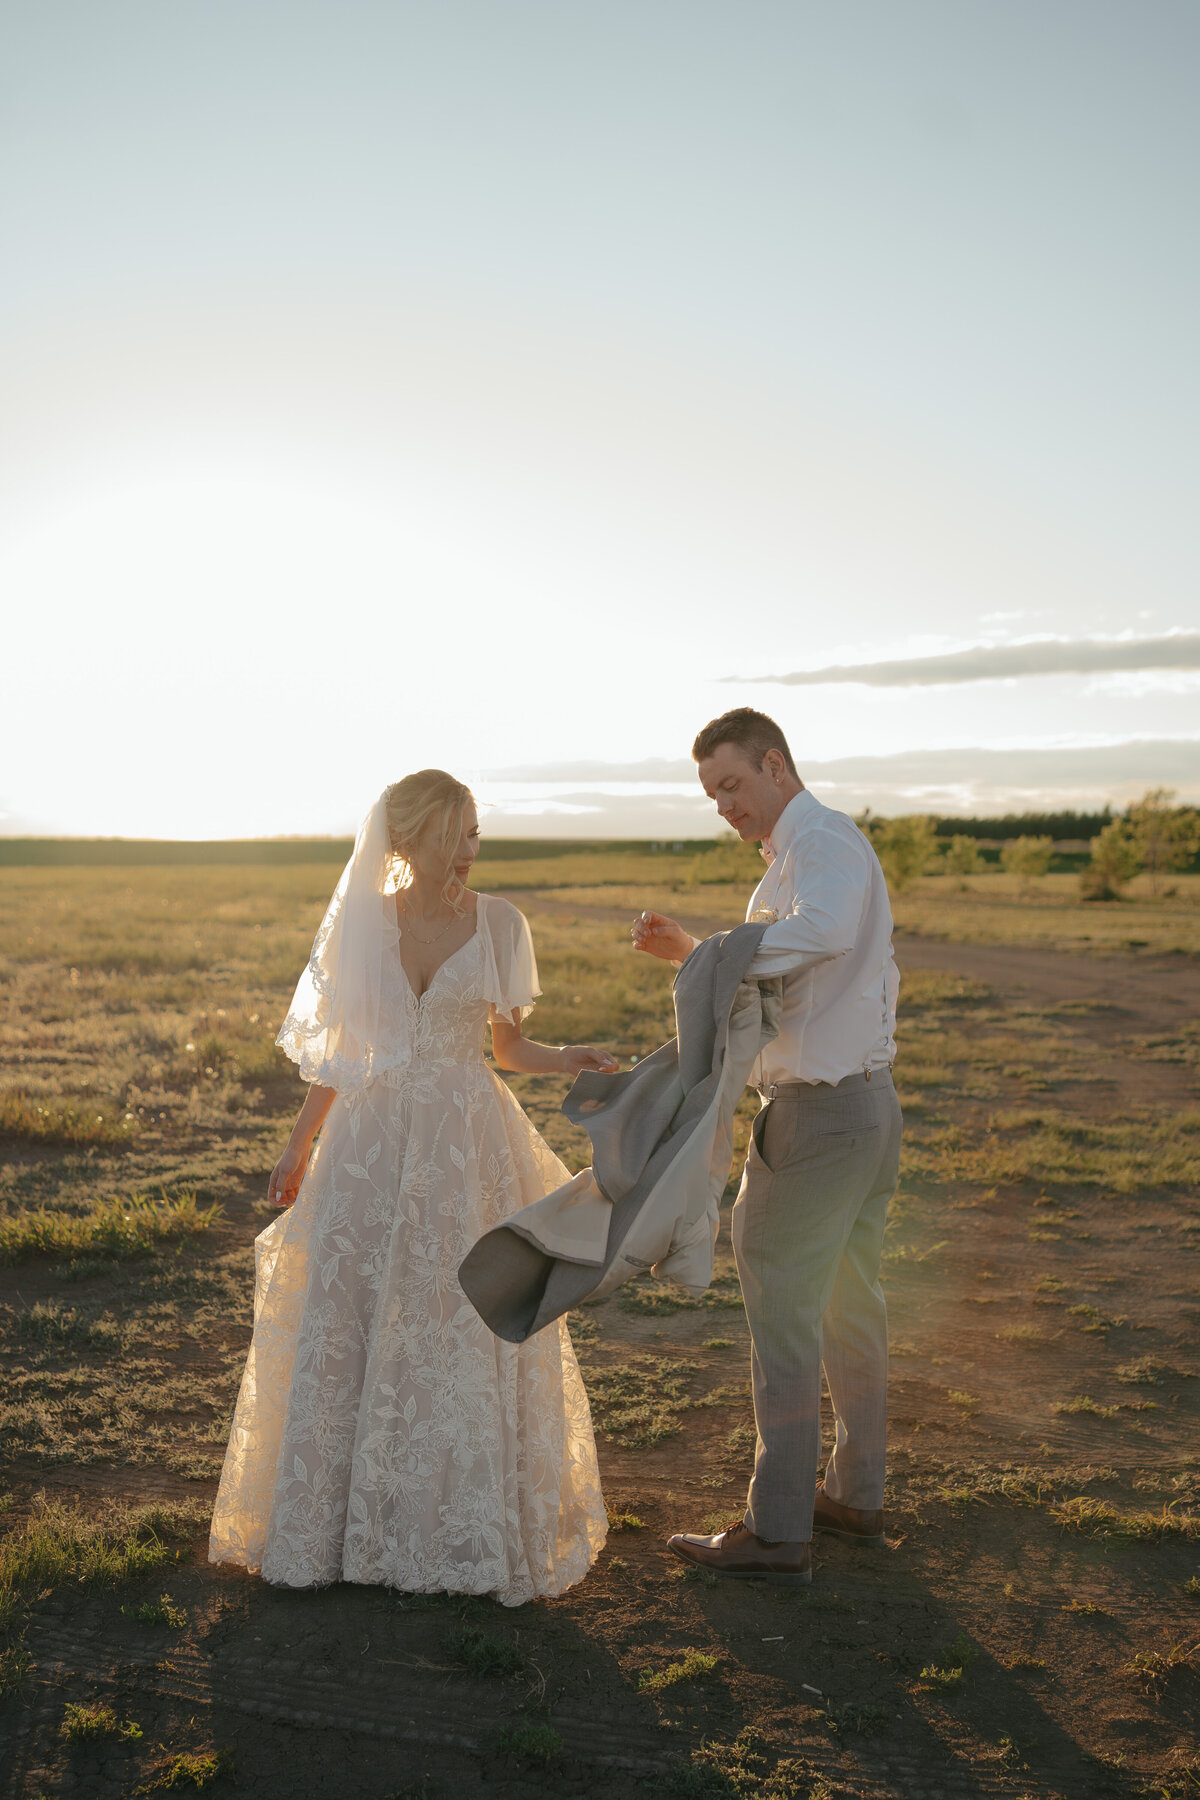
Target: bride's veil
332	1030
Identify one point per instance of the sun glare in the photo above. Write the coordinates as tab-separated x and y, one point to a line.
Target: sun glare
188	630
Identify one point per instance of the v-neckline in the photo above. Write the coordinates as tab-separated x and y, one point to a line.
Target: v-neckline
419	998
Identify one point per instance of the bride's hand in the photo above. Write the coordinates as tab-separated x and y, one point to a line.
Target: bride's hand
287	1175
578	1057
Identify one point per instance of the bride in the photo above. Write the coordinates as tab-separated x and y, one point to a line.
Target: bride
382	1434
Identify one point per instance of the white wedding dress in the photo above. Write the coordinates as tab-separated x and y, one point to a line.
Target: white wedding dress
382	1433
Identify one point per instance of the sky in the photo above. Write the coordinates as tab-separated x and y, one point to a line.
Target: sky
514	385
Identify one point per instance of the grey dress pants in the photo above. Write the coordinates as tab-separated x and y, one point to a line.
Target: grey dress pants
808	1236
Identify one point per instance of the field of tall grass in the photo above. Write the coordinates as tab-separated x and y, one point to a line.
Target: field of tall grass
138	1001
1039	1268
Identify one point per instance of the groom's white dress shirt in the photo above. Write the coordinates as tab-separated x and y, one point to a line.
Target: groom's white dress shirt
831	942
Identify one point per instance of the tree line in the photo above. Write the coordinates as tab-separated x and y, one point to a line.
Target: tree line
1153	834
1075	827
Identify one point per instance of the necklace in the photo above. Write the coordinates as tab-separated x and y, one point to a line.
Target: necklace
436	935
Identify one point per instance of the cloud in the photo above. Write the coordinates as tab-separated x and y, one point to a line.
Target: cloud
1171	761
968	779
657	769
1138	763
1003	662
660	798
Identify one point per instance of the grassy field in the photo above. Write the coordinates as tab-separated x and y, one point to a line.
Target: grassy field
1033	1627
991	909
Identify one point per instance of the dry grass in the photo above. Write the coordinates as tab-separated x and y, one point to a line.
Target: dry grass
684	871
135	1410
59	1543
1149	1149
148	999
948	1669
188	1769
1083	1403
639	1402
594	989
623	1520
1051	914
1148	1371
1153	1669
89	1380
647	1295
148	1003
23	1120
1096	1518
119	1229
1023	1334
692	1666
927	989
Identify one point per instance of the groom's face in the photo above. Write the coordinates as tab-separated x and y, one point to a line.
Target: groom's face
748	799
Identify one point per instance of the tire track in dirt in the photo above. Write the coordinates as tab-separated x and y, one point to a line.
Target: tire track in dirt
291	1696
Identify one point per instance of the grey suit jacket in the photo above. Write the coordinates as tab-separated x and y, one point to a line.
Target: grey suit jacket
662	1145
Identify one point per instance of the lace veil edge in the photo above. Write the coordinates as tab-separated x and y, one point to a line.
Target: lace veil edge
332	1028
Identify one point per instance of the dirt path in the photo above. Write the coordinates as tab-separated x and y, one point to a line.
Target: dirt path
1147	994
1137	983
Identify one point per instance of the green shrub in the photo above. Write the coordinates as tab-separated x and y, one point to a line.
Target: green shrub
1115	860
533	1743
162	1611
962	858
485	1655
949	1667
1026	857
1167	837
904	847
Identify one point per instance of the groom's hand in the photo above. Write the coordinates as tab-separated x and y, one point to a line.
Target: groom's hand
657	935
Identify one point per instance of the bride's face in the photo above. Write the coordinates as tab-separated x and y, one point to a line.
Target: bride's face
429	857
468	844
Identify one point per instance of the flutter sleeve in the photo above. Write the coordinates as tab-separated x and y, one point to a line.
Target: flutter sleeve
510	973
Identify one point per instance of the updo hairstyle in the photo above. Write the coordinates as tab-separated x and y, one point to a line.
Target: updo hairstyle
428	805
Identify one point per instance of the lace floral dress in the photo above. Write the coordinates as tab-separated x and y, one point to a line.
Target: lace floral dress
382	1433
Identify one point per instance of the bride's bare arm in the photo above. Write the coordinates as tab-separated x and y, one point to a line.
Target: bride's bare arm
523	1057
288	1172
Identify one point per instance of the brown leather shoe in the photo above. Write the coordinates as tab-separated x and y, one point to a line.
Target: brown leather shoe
737	1552
849	1522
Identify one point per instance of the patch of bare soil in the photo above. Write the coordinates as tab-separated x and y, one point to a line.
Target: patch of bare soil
1030	1629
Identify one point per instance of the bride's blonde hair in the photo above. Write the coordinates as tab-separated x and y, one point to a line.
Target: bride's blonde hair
428	805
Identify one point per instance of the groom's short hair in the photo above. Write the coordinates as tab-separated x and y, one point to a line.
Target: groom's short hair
751	731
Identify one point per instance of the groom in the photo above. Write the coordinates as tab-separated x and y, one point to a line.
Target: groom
824	1154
